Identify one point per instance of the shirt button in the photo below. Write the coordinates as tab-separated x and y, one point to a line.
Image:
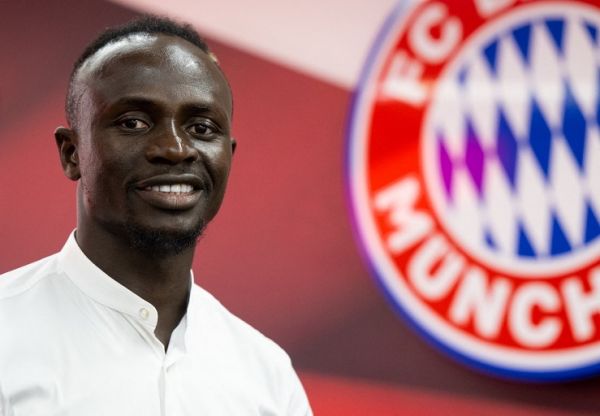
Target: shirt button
144	313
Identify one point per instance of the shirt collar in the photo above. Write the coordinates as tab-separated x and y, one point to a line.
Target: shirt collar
101	287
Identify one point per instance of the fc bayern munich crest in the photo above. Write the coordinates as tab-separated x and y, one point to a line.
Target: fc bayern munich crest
474	178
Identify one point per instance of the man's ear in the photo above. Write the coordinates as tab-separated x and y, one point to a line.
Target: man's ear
67	141
233	145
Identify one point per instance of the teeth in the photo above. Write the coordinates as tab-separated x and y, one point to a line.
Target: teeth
178	188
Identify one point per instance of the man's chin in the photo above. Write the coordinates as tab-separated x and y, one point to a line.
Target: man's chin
163	242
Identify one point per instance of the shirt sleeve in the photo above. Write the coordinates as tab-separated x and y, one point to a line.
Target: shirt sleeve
298	404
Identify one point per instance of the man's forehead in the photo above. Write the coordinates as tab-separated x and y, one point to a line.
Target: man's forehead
153	63
165	49
121	46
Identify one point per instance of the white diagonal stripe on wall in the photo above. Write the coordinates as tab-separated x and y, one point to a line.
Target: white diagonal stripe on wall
325	39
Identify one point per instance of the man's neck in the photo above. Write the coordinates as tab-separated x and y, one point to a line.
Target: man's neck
164	281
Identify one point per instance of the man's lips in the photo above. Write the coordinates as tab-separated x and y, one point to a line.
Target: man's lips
171	192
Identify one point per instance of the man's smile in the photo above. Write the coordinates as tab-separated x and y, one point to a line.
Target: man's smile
171	192
179	188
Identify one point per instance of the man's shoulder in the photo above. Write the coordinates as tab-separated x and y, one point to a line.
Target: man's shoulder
19	281
243	350
228	325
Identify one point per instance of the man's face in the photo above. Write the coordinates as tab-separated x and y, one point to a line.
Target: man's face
154	145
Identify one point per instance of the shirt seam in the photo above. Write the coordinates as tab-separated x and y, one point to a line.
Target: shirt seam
30	285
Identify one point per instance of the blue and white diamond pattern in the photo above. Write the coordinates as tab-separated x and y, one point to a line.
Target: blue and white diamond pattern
514	142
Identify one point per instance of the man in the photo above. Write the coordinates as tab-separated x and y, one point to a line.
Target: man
113	324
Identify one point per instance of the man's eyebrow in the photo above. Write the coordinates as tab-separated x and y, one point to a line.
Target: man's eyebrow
198	108
134	102
191	108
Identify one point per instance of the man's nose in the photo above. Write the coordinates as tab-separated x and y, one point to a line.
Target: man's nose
172	147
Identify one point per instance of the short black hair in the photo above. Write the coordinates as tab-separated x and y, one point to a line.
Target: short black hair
149	24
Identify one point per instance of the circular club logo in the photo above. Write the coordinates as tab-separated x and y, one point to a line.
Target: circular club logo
474	176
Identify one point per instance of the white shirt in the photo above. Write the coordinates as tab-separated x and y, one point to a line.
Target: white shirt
74	342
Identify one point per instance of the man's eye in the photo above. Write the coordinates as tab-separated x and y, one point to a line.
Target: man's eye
202	129
134	124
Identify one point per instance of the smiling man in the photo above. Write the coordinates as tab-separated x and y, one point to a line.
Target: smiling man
113	324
